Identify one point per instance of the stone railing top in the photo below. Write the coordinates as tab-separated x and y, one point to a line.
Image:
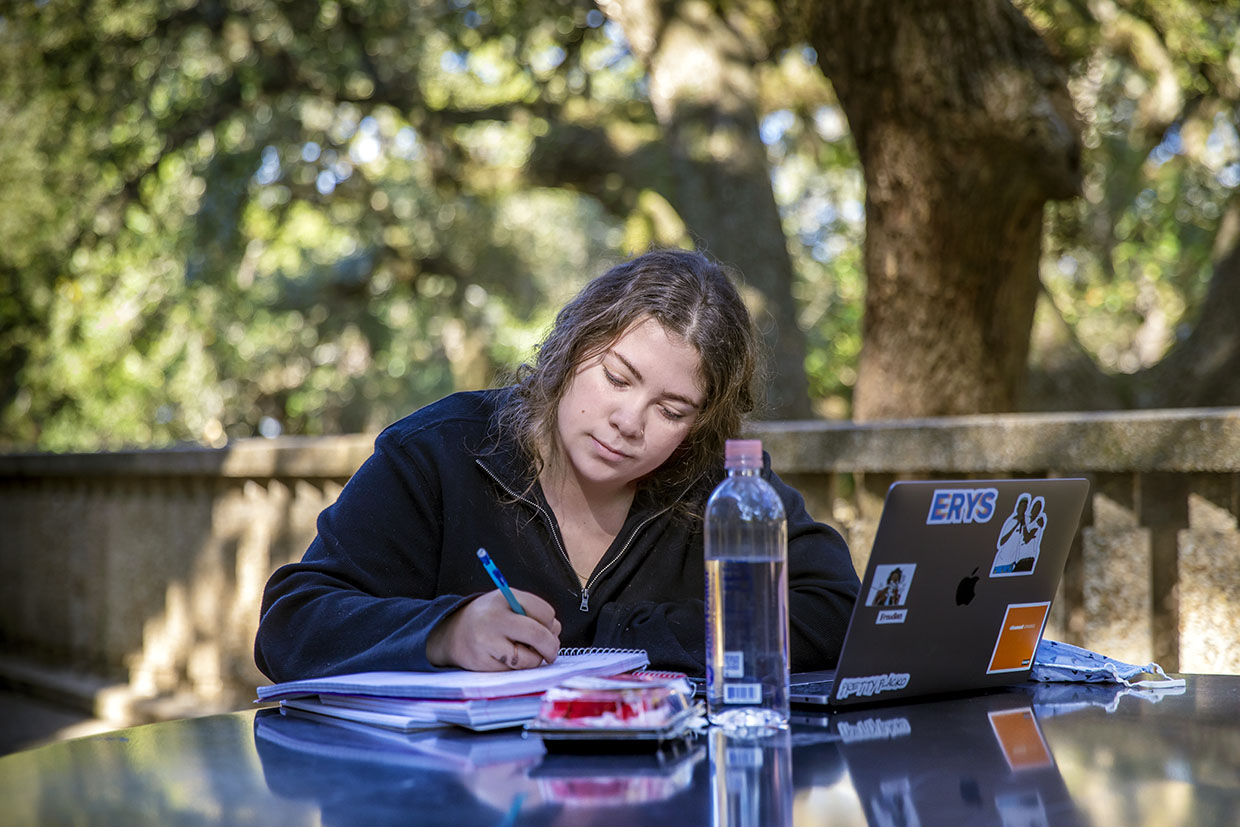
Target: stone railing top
1180	440
310	457
1176	440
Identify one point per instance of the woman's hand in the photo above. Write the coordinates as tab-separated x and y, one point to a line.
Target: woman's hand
485	635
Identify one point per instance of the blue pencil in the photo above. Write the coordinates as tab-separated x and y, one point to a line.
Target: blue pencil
498	577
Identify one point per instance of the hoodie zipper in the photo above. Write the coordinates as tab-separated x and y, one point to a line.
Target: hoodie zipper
555	535
585	591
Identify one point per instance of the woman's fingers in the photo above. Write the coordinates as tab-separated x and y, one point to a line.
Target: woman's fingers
522	657
535	637
503	651
485	635
538	609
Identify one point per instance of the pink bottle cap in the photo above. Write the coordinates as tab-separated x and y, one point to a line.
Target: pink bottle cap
743	453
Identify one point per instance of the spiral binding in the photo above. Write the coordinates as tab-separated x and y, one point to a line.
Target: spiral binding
659	675
590	650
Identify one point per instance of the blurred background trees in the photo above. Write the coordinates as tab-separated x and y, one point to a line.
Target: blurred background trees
228	218
1141	276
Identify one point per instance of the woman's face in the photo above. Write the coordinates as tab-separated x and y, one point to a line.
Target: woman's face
627	408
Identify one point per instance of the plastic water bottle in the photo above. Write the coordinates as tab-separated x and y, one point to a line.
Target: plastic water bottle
746	598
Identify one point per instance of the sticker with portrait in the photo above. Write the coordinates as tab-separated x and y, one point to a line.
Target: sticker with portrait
890	584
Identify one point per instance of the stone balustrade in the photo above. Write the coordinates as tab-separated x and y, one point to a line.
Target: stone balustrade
133	579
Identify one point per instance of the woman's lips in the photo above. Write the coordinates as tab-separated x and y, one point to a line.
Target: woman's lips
608	452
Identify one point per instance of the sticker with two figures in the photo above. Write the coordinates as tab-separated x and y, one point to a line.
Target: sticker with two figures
1020	539
1018	637
889	591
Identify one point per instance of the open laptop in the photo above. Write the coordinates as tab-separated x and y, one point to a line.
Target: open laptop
957	590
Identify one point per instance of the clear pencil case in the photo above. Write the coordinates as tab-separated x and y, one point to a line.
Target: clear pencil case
642	711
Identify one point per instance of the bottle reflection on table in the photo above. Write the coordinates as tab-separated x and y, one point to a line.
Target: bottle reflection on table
751	779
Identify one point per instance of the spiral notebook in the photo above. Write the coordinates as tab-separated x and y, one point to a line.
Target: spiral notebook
460	684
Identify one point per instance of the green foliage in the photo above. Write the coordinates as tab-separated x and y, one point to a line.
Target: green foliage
233	217
819	187
1156	87
249	218
302	217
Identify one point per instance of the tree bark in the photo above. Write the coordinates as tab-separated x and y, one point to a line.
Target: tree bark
1204	368
964	128
703	93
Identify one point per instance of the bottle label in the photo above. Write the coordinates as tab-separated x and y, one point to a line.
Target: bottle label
742	693
733	664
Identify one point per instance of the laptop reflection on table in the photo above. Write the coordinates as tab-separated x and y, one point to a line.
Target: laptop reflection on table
966	760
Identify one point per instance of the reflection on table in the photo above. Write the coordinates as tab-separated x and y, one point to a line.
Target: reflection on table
1029	755
979	760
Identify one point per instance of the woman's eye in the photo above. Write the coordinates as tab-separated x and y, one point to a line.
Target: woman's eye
672	415
612	378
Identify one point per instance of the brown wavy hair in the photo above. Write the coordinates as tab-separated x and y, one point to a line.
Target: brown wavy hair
691	296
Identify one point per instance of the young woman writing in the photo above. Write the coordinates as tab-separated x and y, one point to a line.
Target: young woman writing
585	481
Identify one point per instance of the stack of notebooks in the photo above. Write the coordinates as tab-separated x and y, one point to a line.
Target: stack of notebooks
410	701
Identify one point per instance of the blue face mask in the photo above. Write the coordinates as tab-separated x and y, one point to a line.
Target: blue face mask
1056	661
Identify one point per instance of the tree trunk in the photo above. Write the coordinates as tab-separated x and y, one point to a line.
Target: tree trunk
964	129
1204	369
703	93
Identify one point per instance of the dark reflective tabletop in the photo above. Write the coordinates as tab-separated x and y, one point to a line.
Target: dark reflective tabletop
1031	755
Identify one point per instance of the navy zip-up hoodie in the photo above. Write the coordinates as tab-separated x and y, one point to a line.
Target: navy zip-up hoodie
395	554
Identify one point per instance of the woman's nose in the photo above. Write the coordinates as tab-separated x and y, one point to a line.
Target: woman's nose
627	420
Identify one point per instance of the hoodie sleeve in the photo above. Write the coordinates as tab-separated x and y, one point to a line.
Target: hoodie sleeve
362	597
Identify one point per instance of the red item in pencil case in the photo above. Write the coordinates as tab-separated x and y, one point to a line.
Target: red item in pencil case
614	702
